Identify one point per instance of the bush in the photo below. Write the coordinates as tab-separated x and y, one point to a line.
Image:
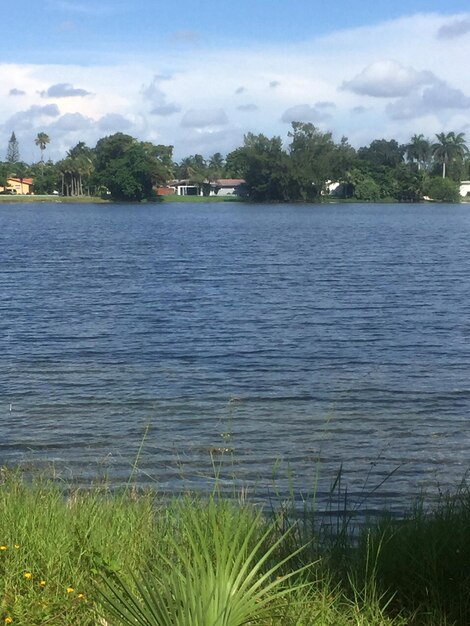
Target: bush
442	189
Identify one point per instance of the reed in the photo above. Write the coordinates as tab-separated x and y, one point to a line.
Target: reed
81	557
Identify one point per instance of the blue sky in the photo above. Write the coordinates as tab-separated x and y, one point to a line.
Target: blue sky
200	75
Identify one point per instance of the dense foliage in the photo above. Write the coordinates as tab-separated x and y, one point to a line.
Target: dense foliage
309	168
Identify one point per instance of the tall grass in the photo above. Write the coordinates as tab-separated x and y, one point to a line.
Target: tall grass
83	557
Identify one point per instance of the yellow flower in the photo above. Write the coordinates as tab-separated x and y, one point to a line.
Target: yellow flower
70	589
17	545
8	620
28	575
3	548
42	583
81	596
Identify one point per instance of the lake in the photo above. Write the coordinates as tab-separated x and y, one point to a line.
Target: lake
267	346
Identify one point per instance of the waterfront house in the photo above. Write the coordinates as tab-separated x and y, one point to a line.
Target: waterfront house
228	187
217	187
18	186
465	188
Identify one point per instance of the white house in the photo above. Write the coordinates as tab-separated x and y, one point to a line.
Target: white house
228	187
218	187
465	188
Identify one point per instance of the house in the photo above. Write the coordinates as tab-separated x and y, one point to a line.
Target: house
228	187
217	187
21	186
465	188
187	188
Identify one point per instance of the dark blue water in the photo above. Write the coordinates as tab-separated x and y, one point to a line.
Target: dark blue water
297	338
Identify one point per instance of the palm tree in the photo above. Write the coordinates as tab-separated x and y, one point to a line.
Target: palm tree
419	150
42	140
449	148
216	166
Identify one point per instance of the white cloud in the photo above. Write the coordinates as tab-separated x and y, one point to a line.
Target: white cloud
142	95
434	99
304	113
388	79
166	109
204	118
71	122
34	114
156	96
64	90
250	107
454	29
325	105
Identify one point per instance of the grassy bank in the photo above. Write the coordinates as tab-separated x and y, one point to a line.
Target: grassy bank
197	199
19	199
88	557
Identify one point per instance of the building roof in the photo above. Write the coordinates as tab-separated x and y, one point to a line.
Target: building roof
229	182
26	181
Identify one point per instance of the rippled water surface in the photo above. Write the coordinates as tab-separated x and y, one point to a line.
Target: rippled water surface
298	338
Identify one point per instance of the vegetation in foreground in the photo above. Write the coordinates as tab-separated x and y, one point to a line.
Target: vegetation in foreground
83	557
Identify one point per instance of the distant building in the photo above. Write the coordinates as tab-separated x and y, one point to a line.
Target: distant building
465	188
21	186
228	187
218	187
165	191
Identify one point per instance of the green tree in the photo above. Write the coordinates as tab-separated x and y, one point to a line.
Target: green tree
128	168
344	158
364	186
42	140
235	163
192	168
164	156
216	166
410	184
76	170
21	171
442	189
4	173
46	177
265	166
13	151
312	154
449	149
382	153
419	151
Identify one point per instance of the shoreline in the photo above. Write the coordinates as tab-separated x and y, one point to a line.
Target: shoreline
24	199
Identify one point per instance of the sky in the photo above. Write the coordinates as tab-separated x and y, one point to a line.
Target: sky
200	75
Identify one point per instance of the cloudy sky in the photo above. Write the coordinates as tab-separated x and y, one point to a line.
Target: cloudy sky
199	75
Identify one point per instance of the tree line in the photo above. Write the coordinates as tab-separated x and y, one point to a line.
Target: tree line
303	170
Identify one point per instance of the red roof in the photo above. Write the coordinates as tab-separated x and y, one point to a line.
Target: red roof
26	181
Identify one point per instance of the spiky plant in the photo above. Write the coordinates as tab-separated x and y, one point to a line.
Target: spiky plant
219	570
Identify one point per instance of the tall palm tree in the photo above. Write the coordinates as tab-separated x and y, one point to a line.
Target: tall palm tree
42	140
419	150
449	148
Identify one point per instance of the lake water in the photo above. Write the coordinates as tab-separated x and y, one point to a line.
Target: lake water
298	338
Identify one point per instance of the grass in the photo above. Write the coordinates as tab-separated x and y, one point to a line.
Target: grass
23	199
204	199
82	557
